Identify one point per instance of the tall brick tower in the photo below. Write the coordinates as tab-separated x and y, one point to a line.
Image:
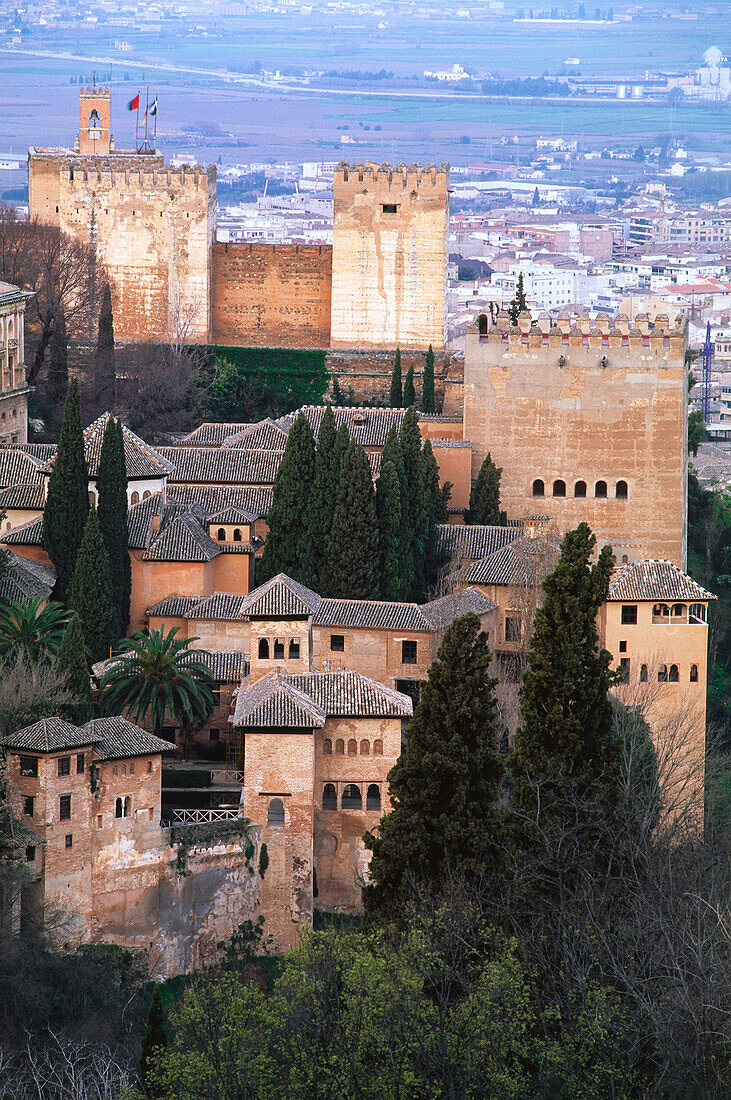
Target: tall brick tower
389	256
95	134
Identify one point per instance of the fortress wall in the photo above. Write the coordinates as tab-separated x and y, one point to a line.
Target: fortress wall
367	372
271	295
389	256
582	404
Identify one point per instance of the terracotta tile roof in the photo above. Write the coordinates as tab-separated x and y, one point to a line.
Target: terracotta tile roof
13	833
48	735
115	738
225	606
256	500
25	579
307	699
18	467
174	607
440	613
371	614
473	541
275	701
655	579
227	666
182	539
40	451
28	534
375	461
280	597
231	515
267	435
211	434
526	561
366	426
24	495
141	460
209	466
139	517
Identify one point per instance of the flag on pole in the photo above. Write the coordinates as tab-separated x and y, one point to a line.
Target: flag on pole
134	104
153	106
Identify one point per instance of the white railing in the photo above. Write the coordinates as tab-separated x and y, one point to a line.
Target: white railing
224	775
203	817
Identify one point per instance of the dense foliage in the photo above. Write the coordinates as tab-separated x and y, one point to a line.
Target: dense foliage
67	500
90	594
396	396
289	545
111	484
485	496
31	630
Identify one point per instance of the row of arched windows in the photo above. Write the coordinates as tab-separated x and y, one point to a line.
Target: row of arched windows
365	747
277	649
669	675
123	807
221	535
135	497
601	489
352	797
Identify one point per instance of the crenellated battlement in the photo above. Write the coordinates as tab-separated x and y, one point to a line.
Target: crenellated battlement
578	331
351	177
105	176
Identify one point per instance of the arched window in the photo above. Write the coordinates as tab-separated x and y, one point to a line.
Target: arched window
694	674
661	613
135	498
539	488
352	798
276	812
119	808
600	490
643	674
146	494
559	488
329	797
327	747
352	748
580	489
221	534
237	534
674	676
94	121
378	747
373	797
339	747
278	650
294	649
662	674
482	324
365	748
127	812
621	490
263	649
677	611
624	559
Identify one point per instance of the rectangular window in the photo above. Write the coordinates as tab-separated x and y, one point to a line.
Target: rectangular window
390	208
214	734
408	653
28	805
629	614
64	765
512	628
622	647
216	698
99	821
29	766
64	807
30	853
69	840
149	766
337	643
79	763
624	670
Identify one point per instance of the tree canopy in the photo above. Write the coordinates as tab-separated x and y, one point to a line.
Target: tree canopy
67	500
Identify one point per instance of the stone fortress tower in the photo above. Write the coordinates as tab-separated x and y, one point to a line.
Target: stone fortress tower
389	256
150	226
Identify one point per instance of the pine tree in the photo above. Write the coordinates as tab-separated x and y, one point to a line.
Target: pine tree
111	483
409	397
565	735
352	567
58	366
428	403
90	593
289	544
388	511
72	664
444	787
396	398
67	501
154	1039
519	303
328	460
401	583
436	497
485	496
414	500
104	369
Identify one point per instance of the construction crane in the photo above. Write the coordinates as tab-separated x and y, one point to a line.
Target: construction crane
707	356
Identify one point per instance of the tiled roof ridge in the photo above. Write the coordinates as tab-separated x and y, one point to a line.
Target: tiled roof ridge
637	570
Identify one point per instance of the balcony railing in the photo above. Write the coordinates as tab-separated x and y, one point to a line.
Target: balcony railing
203	817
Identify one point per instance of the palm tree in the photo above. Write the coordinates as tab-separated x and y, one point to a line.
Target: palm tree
28	629
157	674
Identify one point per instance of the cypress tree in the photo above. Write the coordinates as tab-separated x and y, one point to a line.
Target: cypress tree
414	500
485	496
289	544
104	371
401	583
111	486
353	547
90	593
444	787
71	663
58	365
388	510
396	398
565	736
155	1037
409	397
428	402
67	501
436	510
327	476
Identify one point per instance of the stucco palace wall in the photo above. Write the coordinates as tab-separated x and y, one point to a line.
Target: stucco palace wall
271	295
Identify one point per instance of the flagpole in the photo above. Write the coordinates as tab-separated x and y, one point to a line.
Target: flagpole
154	140
137	125
147	107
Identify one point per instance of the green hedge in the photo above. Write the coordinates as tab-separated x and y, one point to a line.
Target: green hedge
249	383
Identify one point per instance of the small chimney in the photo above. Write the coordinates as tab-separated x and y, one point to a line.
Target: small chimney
155	523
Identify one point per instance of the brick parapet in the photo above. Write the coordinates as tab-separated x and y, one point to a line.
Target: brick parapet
579	332
348	177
